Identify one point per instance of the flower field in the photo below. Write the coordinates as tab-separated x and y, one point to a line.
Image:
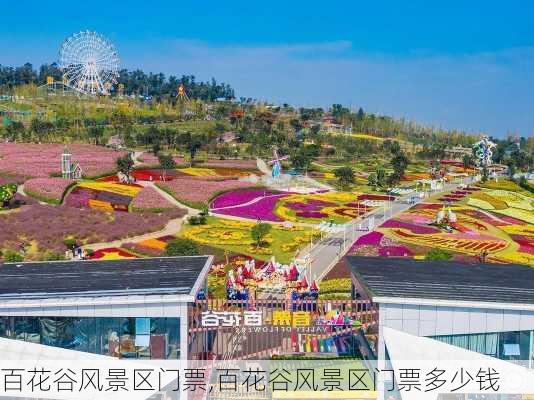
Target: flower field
44	227
105	196
272	206
149	199
42	160
49	190
340	207
497	222
196	192
235	236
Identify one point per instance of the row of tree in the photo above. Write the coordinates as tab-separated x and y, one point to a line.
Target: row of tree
135	82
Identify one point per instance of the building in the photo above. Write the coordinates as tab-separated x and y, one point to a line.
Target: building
485	308
134	308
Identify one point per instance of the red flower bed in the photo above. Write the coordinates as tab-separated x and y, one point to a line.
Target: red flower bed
98	254
375	197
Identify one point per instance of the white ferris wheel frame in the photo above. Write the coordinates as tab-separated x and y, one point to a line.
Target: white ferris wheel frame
90	63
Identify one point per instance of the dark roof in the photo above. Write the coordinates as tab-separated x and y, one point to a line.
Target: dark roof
169	275
444	280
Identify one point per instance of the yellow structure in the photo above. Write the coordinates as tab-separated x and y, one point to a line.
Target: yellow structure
182	94
49	80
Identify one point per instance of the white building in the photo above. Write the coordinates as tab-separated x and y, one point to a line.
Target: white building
487	308
134	308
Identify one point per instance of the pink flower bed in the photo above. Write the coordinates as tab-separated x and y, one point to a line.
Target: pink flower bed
49	225
4	180
41	160
262	209
231	199
198	192
417	229
150	199
47	189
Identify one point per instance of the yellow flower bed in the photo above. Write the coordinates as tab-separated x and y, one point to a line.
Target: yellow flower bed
338	197
216	234
154	244
496	203
118	188
100	205
515	200
199	171
523	215
478	203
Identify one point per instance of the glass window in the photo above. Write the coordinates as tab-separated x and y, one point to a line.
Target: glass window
157	338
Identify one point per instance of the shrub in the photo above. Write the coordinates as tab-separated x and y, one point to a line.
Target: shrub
181	247
438	255
12	256
259	231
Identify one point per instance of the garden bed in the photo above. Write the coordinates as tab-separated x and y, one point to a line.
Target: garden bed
42	228
30	160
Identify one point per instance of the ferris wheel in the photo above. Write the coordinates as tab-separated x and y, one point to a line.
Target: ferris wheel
89	62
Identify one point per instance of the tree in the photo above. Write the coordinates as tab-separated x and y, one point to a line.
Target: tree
96	133
166	162
372	180
259	231
15	130
399	163
181	247
301	160
125	165
345	176
438	255
380	177
467	161
193	146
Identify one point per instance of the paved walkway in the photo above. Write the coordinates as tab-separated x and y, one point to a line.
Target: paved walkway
328	251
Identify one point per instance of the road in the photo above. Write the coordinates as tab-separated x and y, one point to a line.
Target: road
328	251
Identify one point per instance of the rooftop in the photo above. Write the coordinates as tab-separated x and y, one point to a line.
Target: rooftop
444	280
163	275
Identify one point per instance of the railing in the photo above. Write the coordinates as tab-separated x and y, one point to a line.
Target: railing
274	336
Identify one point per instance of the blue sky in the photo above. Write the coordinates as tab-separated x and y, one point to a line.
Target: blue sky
457	64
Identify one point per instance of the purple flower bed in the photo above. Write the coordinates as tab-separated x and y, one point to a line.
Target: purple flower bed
310	205
369	239
394	251
79	197
262	209
87	225
237	197
417	229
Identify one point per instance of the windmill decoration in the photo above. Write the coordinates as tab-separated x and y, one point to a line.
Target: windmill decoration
483	150
277	165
